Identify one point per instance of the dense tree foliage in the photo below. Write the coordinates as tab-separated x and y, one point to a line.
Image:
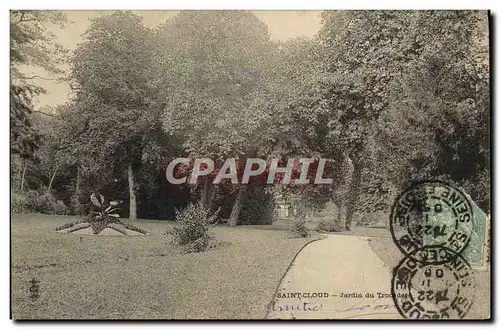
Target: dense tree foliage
392	97
114	103
216	63
31	43
388	97
438	120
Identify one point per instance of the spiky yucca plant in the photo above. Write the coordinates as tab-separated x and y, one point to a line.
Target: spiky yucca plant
101	217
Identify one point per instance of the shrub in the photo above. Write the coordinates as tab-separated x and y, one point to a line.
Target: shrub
74	207
30	201
46	204
77	206
37	202
299	229
258	207
26	202
17	202
373	218
329	224
201	244
193	230
60	208
101	217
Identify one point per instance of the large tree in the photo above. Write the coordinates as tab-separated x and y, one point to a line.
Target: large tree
32	45
32	48
214	65
362	52
437	125
113	79
399	72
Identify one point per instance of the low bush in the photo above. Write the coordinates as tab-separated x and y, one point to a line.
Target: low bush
329	224
74	206
193	229
30	201
46	204
201	244
103	215
78	205
17	202
379	218
258	207
35	202
60	208
299	229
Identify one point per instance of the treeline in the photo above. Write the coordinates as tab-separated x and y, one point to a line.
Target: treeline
390	97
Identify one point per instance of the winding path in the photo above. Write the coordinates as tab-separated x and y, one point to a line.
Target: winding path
344	268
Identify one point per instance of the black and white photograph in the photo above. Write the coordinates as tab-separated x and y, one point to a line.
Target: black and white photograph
250	164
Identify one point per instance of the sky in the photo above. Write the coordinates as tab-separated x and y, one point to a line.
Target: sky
282	25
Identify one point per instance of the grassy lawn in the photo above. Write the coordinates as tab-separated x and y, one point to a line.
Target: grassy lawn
143	277
385	248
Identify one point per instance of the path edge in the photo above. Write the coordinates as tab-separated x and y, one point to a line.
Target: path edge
285	273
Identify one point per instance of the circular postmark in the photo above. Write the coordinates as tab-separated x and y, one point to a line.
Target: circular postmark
431	214
422	290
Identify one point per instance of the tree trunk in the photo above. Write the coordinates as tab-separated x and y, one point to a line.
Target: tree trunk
131	189
24	174
235	212
211	197
204	192
77	192
339	211
352	198
269	211
52	180
242	191
77	187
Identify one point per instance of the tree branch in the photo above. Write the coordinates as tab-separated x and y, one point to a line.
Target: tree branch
39	77
22	19
47	114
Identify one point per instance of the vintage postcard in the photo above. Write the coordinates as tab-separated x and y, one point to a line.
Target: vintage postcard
236	165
